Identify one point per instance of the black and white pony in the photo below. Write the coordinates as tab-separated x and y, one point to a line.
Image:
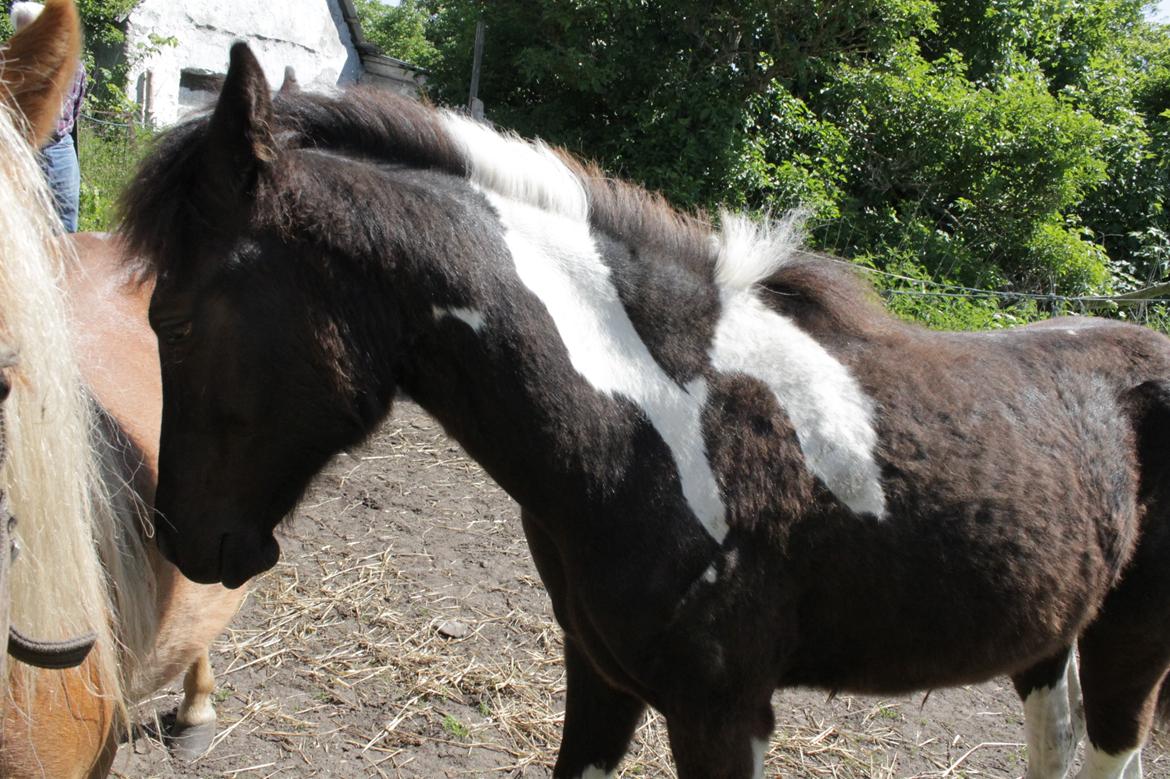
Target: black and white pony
737	471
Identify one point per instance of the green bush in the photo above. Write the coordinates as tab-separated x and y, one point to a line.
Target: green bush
109	155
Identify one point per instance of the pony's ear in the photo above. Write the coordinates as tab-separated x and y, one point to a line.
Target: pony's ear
38	65
239	137
291	85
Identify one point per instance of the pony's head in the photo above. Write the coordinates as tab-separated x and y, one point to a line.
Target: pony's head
242	221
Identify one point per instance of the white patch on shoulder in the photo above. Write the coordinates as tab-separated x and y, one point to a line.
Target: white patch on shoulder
470	316
526	171
1048	725
750	252
710	575
596	772
1101	765
556	258
832	416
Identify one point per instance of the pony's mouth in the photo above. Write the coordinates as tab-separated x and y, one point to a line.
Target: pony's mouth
235	559
244	555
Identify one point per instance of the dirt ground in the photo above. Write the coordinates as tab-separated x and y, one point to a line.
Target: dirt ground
405	634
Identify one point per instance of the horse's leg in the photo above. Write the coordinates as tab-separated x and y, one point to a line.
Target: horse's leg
599	720
710	742
1076	702
1125	655
194	727
1048	716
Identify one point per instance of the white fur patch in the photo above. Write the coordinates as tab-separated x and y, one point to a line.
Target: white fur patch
831	414
545	209
1048	723
470	316
750	252
1099	765
596	772
529	172
557	259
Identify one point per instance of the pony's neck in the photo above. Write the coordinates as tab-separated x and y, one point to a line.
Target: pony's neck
534	348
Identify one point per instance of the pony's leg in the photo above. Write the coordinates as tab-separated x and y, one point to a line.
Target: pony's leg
1076	702
194	727
1123	662
716	743
599	721
1049	716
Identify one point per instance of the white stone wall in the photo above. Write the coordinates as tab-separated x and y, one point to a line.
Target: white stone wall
309	35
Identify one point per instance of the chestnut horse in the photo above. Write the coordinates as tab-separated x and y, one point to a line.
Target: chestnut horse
737	471
80	474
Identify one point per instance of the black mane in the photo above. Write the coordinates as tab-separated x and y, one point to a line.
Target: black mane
160	210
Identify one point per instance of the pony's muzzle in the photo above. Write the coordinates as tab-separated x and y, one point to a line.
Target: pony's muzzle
230	559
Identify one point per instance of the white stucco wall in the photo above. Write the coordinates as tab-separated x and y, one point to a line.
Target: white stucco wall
309	35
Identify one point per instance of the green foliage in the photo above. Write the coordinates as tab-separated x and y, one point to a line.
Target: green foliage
455	727
102	24
976	180
109	155
1020	144
909	292
399	31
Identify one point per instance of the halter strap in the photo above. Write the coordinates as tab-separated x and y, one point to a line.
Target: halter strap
53	655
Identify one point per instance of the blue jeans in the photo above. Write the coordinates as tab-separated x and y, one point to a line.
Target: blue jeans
59	161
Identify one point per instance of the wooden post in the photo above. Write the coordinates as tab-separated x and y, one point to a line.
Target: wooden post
1136	298
473	101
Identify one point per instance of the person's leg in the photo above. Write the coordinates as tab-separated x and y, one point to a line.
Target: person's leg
59	161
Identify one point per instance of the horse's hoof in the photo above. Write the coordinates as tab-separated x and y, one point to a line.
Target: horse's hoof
188	742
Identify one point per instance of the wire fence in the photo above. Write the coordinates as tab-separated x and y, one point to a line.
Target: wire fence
1149	306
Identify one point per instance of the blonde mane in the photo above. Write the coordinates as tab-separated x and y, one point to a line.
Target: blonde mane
82	565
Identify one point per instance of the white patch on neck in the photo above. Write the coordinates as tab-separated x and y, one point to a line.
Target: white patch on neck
470	316
557	260
1048	724
528	172
830	412
596	772
1101	765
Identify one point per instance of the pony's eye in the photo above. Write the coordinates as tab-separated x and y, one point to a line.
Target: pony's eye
176	333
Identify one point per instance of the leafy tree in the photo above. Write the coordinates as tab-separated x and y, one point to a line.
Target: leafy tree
1020	143
399	31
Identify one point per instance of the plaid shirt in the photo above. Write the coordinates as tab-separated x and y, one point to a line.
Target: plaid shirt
72	105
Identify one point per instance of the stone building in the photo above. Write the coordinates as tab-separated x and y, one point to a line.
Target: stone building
178	51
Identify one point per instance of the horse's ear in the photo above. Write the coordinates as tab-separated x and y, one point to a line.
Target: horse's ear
38	65
239	136
291	85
